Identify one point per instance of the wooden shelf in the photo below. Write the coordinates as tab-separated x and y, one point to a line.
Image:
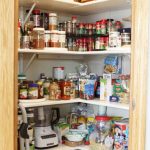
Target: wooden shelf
120	50
78	100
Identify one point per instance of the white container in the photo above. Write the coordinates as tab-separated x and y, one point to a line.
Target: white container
47	38
58	73
52	21
114	39
62	38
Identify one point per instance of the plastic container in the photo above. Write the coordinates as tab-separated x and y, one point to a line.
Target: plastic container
54	42
33	91
23	92
52	21
38	38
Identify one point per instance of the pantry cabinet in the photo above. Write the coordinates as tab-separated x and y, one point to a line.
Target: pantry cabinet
9	55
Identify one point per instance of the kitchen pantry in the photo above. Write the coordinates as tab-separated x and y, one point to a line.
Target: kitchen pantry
78	76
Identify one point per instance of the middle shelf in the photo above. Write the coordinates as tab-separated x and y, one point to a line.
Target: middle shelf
77	100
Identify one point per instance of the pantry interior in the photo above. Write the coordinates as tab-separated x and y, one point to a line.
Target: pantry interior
35	62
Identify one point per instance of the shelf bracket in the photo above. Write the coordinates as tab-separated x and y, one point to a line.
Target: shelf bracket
29	63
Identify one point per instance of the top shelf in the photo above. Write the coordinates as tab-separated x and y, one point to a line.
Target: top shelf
121	50
69	6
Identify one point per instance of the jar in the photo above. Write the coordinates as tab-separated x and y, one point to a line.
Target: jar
126	38
58	73
33	91
69	27
62	38
40	89
72	90
86	31
103	26
38	38
103	126
74	28
90	29
25	42
74	46
84	44
109	25
36	17
65	87
52	21
81	28
46	86
23	92
94	29
70	44
54	42
81	45
55	92
106	42
98	27
21	78
74	19
47	38
102	43
90	44
44	21
97	43
118	25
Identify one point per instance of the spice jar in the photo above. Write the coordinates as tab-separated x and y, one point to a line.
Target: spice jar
103	26
55	92
54	42
97	43
109	25
33	91
44	21
36	18
52	21
65	87
102	43
47	38
98	27
90	44
70	44
81	29
69	27
62	38
38	38
118	25
23	92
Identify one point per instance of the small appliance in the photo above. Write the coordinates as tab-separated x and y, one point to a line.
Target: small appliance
45	137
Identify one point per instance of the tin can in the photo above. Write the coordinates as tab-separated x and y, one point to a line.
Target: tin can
114	39
121	133
58	73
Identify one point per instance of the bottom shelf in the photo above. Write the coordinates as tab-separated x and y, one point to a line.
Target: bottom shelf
64	147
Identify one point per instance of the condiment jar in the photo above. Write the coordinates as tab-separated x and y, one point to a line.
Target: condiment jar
44	21
52	21
36	18
55	92
62	38
33	91
47	38
65	87
38	38
54	42
23	92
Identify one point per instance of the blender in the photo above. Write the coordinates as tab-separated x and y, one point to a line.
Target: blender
45	137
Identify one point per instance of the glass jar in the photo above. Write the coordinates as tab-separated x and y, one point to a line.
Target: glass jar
103	24
65	87
90	44
25	42
23	92
98	27
62	38
47	38
33	91
109	25
70	44
102	43
38	38
36	18
54	42
97	43
52	21
55	92
103	126
44	21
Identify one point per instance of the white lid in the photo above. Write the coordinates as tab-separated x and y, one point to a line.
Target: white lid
61	32
38	29
54	31
53	14
47	31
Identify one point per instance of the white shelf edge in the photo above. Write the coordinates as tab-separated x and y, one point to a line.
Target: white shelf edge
120	50
78	100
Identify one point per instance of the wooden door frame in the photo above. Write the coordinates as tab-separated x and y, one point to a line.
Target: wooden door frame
139	67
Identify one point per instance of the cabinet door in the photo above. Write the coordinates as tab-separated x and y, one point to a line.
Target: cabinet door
139	67
8	71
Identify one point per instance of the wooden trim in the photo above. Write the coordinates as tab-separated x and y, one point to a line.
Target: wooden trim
140	20
8	63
